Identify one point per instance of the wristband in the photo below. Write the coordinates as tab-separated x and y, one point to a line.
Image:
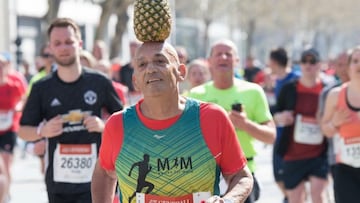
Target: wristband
38	129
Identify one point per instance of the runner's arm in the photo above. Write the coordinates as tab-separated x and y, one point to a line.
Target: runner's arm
240	185
103	185
327	121
264	132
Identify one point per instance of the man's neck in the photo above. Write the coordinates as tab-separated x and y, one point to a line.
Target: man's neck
162	108
309	82
223	83
69	73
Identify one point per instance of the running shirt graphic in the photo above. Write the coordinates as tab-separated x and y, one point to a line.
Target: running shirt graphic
170	163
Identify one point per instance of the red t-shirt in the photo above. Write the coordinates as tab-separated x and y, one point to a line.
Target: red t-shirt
11	93
219	135
306	105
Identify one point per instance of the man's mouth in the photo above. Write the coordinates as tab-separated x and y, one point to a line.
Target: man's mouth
153	80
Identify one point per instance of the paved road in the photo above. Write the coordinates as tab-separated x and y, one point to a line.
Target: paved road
28	185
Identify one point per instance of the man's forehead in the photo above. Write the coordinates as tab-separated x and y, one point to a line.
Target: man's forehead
155	49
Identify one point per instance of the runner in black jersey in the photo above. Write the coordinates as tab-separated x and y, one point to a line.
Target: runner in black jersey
65	108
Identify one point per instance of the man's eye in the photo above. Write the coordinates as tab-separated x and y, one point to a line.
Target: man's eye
141	64
160	61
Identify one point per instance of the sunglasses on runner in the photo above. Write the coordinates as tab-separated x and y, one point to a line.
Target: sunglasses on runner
311	61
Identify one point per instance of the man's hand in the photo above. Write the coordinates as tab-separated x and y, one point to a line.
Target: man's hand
284	118
93	124
239	119
52	127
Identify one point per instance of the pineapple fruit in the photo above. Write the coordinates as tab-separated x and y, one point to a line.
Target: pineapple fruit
152	20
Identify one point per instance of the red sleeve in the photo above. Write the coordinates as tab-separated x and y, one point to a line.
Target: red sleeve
111	141
220	136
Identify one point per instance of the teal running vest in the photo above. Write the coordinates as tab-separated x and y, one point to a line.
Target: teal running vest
171	162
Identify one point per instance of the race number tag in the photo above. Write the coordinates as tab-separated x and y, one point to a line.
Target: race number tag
348	151
74	163
190	198
307	131
6	119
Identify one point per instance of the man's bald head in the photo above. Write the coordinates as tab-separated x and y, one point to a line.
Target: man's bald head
159	47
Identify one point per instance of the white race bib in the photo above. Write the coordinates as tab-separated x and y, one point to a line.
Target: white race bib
74	163
307	131
190	198
348	151
6	119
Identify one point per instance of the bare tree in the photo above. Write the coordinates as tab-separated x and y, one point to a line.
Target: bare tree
50	15
118	8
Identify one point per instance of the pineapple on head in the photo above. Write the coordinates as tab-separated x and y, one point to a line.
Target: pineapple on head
152	20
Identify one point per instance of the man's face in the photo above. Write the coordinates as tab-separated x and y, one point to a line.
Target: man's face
310	66
341	67
65	46
222	60
156	69
272	65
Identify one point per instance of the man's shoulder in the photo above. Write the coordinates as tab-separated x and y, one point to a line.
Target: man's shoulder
212	112
91	75
243	85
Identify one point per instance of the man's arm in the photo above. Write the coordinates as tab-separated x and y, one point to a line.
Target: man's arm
264	132
48	129
103	185
240	185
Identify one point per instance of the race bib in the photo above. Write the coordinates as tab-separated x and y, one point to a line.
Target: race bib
74	163
348	151
190	198
307	131
6	119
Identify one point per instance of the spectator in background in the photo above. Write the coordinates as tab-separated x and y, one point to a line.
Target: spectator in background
87	59
253	120
126	74
26	70
341	69
252	72
104	66
115	69
100	50
302	145
269	88
12	94
48	66
198	73
183	58
278	63
65	109
182	54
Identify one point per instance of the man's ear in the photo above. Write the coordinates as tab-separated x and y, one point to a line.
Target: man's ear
135	84
182	72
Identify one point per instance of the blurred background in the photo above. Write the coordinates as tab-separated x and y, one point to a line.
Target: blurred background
255	25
